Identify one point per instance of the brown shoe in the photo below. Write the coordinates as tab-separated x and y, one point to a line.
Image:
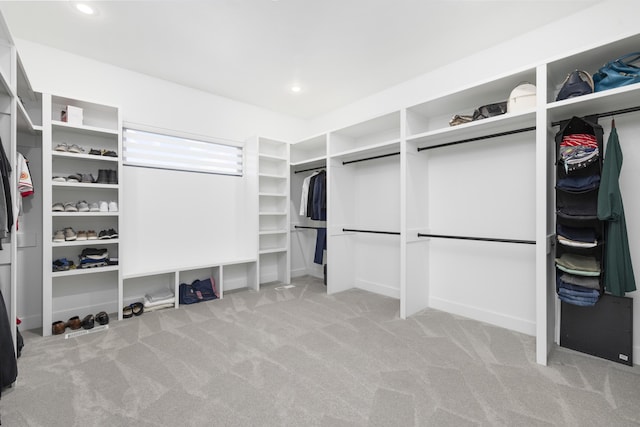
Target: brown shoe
74	323
58	327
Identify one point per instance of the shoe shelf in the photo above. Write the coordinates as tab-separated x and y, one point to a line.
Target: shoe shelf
67	148
85	243
85	130
81	271
84	156
80	214
84	185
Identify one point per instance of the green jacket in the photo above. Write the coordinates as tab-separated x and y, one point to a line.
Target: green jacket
618	270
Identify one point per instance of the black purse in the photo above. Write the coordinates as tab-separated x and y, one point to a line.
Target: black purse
490	110
577	83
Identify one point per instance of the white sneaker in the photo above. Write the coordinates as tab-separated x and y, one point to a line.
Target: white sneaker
113	206
93	207
104	207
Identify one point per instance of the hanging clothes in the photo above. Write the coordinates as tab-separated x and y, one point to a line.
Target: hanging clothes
618	270
321	245
25	185
6	208
8	363
319	197
305	194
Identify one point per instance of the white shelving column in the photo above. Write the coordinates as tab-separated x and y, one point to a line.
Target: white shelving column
80	291
307	157
273	206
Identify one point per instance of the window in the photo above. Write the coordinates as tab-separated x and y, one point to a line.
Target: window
161	151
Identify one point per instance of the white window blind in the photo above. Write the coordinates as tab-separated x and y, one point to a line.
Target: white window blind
160	151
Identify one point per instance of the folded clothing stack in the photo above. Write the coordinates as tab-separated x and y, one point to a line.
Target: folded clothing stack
162	298
579	282
93	257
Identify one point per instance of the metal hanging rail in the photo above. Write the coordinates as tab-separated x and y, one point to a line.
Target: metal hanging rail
370	158
309	227
310	169
481	239
397	233
478	138
606	114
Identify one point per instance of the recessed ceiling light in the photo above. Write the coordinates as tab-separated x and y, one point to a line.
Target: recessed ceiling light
296	88
85	8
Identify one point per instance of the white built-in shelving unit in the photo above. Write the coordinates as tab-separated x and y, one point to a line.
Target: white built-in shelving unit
80	291
466	212
308	157
273	211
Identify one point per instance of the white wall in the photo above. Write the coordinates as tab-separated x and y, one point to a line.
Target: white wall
596	25
151	101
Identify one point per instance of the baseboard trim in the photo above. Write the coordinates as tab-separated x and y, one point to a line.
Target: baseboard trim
378	288
508	322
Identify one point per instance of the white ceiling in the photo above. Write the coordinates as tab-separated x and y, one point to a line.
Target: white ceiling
252	51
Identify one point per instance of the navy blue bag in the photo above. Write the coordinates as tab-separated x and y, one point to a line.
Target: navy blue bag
198	290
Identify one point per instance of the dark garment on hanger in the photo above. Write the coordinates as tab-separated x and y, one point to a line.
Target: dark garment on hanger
310	196
321	245
8	363
319	213
5	172
618	270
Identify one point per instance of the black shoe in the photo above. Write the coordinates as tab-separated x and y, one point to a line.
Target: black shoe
103	176
102	318
88	322
113	177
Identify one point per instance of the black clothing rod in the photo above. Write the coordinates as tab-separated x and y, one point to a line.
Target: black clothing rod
607	114
482	239
370	158
372	231
478	138
310	169
312	228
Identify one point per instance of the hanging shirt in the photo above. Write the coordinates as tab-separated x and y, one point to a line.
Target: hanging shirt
618	270
305	194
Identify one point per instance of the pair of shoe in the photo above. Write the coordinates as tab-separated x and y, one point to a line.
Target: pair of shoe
63	264
108	234
66	235
75	323
58	327
86	235
73	148
135	309
107	176
108	153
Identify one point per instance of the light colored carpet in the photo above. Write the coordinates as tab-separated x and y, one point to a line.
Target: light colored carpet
298	357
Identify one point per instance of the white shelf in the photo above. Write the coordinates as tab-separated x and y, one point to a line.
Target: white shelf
273	250
97	242
498	124
84	156
81	271
378	149
272	195
84	185
272	213
268	232
310	162
272	157
84	214
88	130
270	175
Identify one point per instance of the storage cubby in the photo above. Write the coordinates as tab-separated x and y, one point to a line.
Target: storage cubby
239	275
309	150
367	137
